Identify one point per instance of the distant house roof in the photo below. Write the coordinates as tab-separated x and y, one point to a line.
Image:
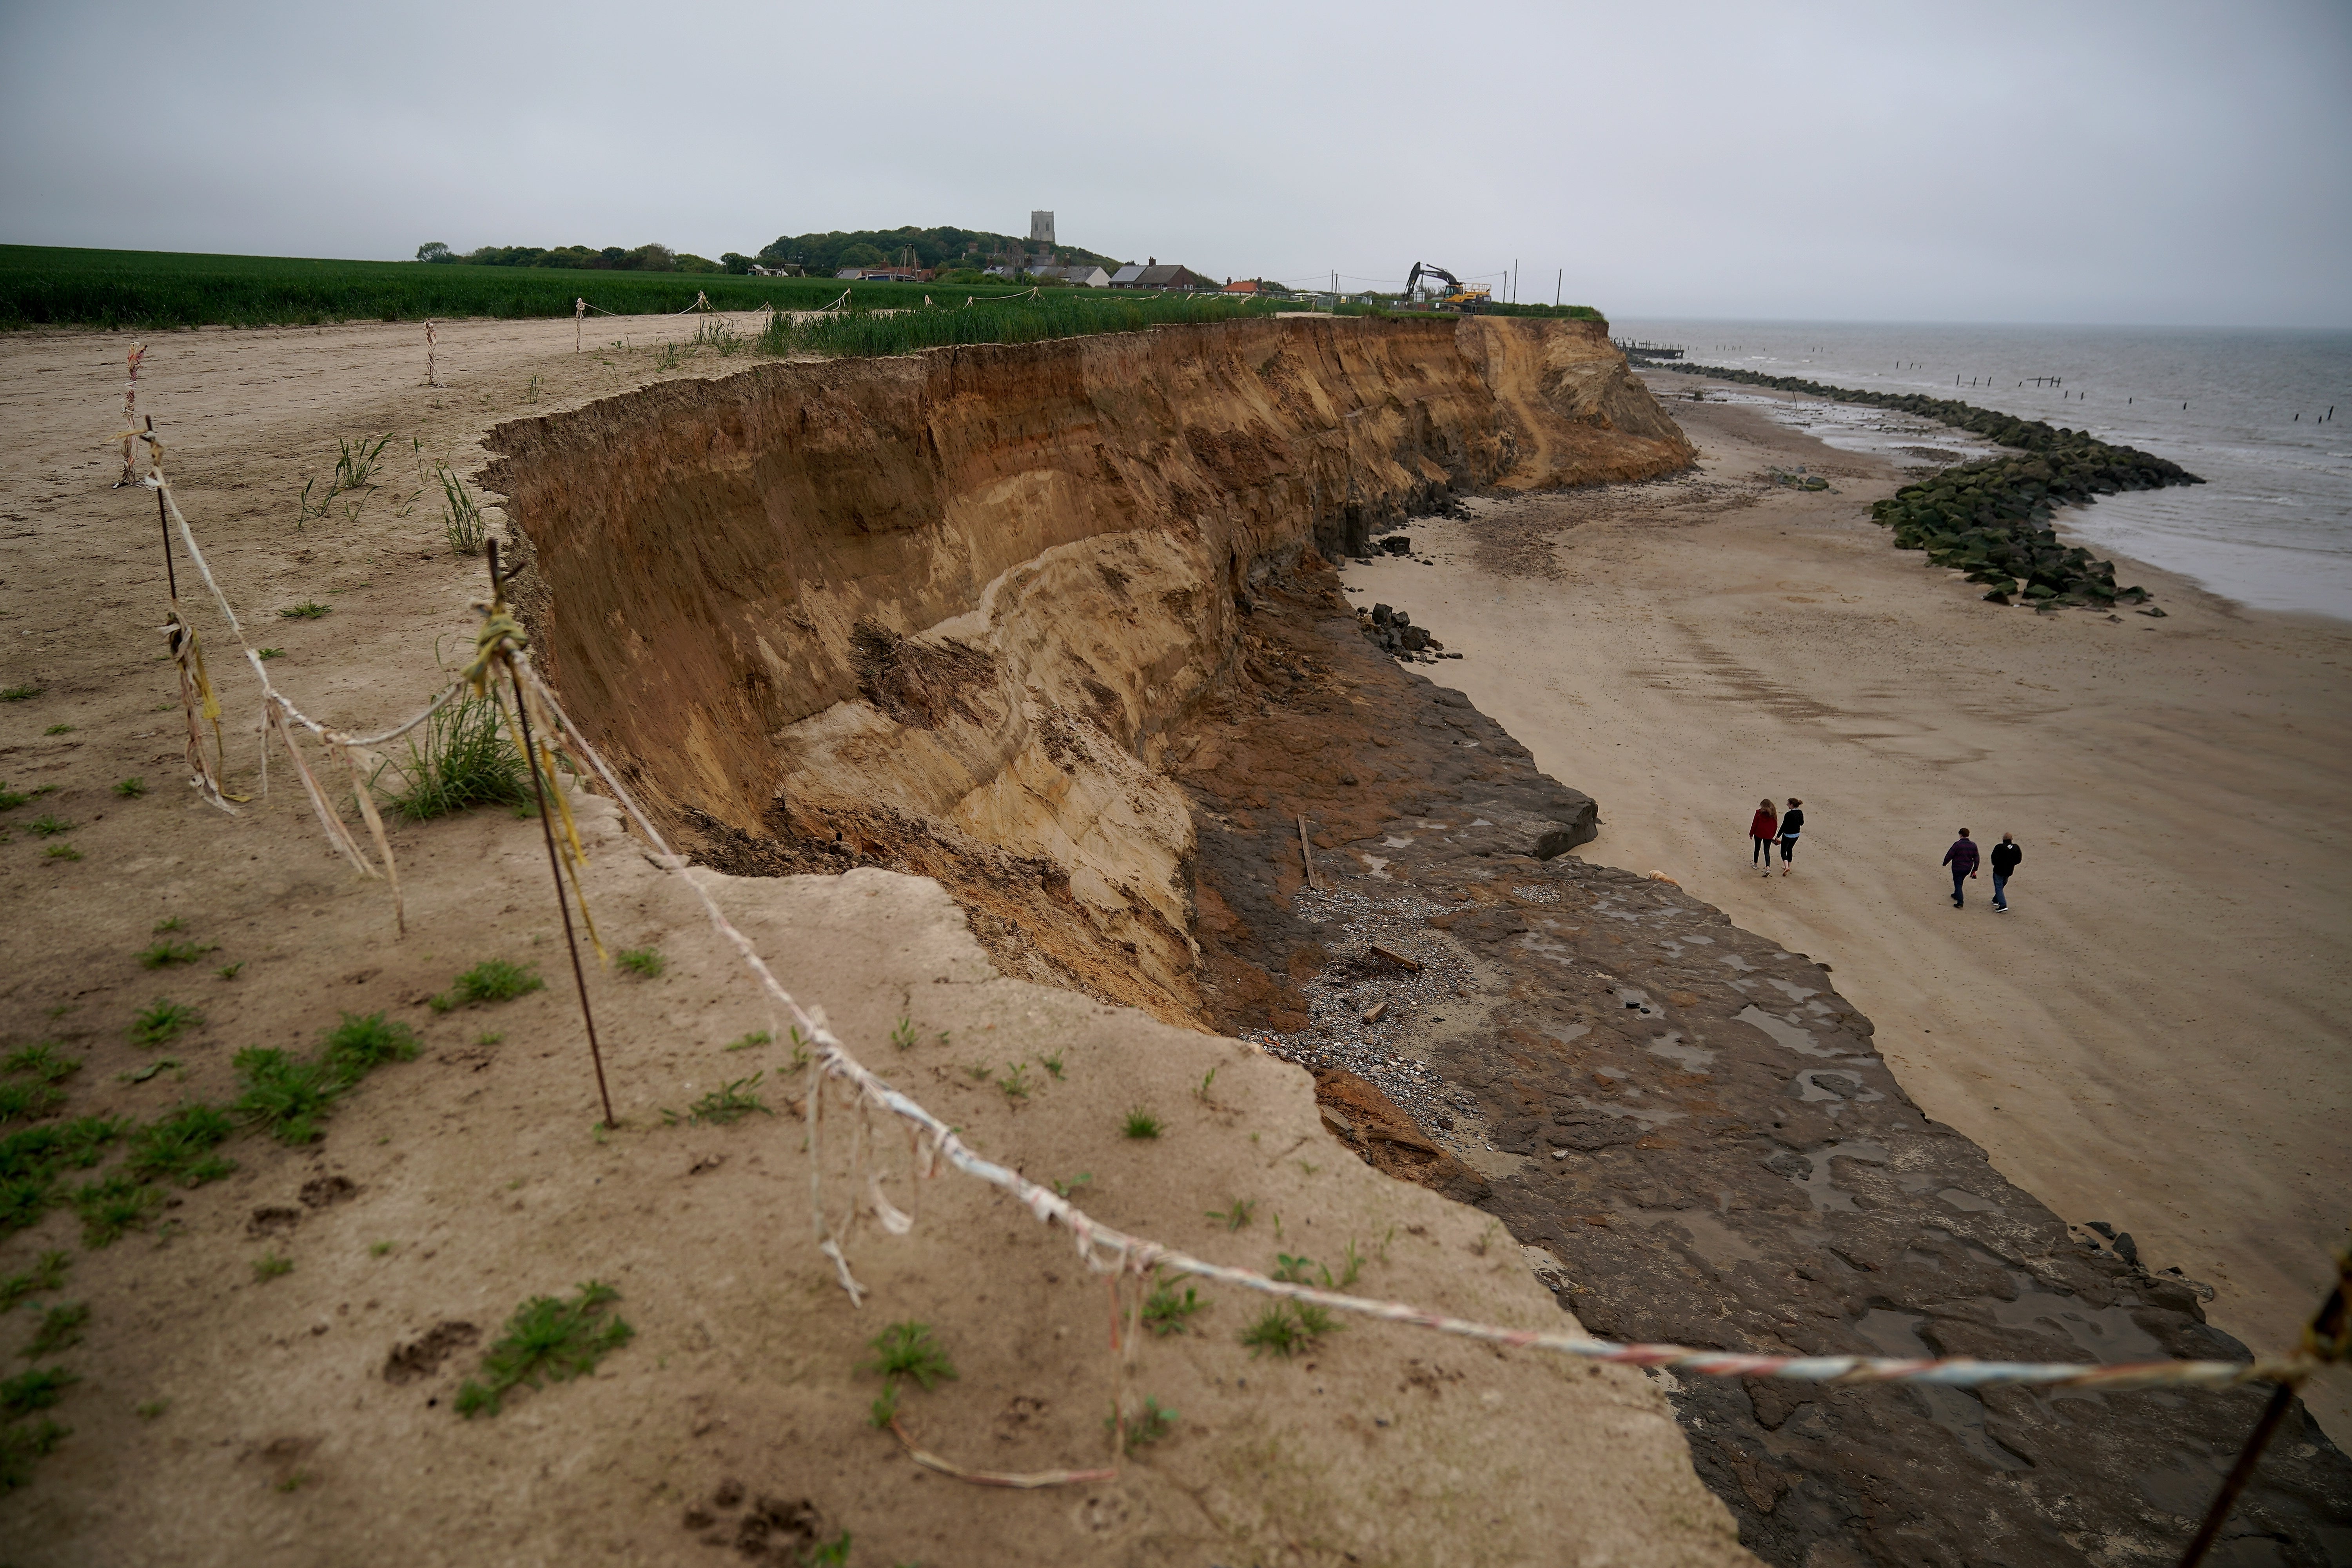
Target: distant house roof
1165	275
1086	276
1242	286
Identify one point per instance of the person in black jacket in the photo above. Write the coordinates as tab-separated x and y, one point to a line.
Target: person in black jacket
2006	855
1962	858
1792	823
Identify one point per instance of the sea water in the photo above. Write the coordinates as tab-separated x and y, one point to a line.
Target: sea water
2247	409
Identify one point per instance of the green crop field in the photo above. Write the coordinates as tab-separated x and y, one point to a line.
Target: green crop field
43	286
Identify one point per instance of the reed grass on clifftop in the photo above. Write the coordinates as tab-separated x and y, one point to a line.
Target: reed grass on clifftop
1020	319
1991	518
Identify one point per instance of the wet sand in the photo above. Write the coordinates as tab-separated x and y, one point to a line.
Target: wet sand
2158	1034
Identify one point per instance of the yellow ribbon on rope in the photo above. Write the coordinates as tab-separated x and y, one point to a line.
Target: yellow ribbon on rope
198	700
500	638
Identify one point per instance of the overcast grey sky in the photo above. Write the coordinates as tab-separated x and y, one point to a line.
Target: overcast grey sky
2063	161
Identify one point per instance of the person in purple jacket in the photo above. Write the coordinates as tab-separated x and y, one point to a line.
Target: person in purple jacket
1962	858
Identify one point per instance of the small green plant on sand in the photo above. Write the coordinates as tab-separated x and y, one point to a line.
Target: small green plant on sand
47	1276
1236	1212
268	653
21	1444
152	1409
885	1408
461	520
356	462
902	1033
1063	1189
311	610
645	963
178	1147
42	1060
28	1101
62	852
550	1338
34	1390
907	1350
755	1038
130	788
1148	1425
1292	1269
465	758
379	1249
58	730
162	1023
362	1042
48	825
492	980
286	1096
1287	1328
1139	1123
1016	1081
728	1102
1202	1093
113	1207
228	971
169	923
165	954
269	1265
19	693
1053	1066
60	1330
1167	1312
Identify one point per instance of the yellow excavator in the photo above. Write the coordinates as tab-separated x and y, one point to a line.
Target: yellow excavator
1463	297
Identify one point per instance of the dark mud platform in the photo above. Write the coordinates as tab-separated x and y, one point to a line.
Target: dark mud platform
1694	1136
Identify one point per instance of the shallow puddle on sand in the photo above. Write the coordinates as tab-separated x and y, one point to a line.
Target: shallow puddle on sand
1790	1036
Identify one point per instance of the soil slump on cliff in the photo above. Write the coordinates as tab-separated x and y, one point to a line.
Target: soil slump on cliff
945	613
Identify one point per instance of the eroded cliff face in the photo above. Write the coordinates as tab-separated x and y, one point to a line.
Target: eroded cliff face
943	612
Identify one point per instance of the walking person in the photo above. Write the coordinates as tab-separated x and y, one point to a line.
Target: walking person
1962	858
1793	822
1763	829
2006	856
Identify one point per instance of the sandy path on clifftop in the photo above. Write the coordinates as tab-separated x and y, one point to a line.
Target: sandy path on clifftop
2156	1034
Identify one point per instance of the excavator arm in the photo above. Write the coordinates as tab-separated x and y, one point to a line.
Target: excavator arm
1413	279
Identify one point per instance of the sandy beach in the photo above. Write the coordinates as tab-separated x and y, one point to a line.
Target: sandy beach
2158	1034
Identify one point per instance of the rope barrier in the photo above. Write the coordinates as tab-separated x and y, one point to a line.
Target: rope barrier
833	1060
501	646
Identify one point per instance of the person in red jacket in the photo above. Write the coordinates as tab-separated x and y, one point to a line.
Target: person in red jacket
1763	829
1962	858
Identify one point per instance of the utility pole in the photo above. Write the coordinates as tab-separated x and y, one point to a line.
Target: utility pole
1556	286
1514	280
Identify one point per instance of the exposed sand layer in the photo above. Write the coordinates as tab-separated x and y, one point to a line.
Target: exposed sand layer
226	1417
943	610
2160	1035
